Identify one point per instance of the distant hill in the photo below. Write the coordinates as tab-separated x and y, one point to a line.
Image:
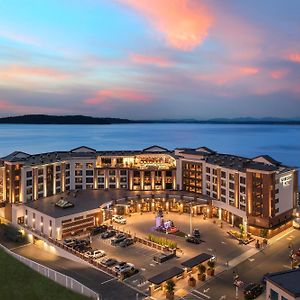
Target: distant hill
79	119
47	119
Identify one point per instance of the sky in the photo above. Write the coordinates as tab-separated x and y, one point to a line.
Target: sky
158	59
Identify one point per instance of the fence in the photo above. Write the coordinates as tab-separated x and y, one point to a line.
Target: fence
58	277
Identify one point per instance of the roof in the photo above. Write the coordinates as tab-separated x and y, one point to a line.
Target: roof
166	275
79	152
287	281
197	260
86	200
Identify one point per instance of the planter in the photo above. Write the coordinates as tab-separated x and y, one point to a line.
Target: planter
170	295
192	282
201	277
211	272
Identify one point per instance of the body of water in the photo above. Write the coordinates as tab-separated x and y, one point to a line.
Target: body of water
282	142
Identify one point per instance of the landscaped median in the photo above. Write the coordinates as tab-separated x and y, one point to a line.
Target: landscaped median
18	281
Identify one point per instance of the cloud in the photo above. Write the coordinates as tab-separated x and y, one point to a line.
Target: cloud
150	60
294	57
278	74
249	70
15	71
112	95
184	23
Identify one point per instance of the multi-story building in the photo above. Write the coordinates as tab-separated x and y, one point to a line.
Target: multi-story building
259	193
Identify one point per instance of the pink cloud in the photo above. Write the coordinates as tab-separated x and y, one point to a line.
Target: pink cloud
15	71
249	70
109	95
294	57
151	60
278	74
184	23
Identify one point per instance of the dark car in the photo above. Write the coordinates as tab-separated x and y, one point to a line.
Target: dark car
108	234
253	290
126	242
81	248
193	239
196	233
118	239
109	262
98	230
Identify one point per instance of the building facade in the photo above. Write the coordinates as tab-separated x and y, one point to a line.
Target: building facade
259	193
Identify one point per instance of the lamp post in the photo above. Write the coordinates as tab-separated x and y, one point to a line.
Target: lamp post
191	225
237	283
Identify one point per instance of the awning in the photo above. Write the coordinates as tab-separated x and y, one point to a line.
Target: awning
197	260
166	275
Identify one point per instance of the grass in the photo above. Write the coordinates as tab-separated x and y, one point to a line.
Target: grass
17	281
179	233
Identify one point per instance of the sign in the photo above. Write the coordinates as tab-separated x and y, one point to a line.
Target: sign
285	180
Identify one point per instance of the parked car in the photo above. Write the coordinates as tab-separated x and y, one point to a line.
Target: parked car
99	229
108	234
193	239
196	233
124	267
108	262
95	254
82	248
69	242
118	239
118	219
127	242
253	290
296	223
81	242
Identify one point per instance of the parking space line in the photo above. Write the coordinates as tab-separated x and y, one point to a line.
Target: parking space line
109	280
201	294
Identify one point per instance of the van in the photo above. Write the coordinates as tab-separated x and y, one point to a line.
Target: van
296	223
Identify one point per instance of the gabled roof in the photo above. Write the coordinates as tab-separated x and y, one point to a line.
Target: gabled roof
155	148
205	149
16	156
83	149
266	159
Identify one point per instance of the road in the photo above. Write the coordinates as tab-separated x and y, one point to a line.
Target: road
108	287
272	259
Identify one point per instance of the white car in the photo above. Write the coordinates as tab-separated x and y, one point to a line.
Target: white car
119	219
95	254
124	267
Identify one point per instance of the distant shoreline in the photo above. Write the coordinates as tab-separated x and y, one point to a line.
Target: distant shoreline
87	120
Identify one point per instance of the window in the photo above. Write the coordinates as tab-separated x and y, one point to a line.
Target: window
231	185
57	168
40	172
242	180
78	180
78	173
78	166
123	173
89	166
29	182
273	295
242	189
29	173
214	172
112	172
40	180
89	172
207	170
89	180
100	172
231	177
223	174
67	166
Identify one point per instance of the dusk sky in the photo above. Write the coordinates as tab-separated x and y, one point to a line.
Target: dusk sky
149	59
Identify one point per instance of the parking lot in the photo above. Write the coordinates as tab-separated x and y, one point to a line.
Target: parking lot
215	240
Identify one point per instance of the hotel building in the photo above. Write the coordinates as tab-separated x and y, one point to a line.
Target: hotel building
259	193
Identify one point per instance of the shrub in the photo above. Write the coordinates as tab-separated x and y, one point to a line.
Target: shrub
211	264
162	241
170	286
201	269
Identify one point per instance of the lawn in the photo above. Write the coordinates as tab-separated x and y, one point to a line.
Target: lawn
17	281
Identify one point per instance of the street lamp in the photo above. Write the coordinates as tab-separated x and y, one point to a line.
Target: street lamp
237	283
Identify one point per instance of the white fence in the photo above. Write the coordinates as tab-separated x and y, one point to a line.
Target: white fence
58	277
